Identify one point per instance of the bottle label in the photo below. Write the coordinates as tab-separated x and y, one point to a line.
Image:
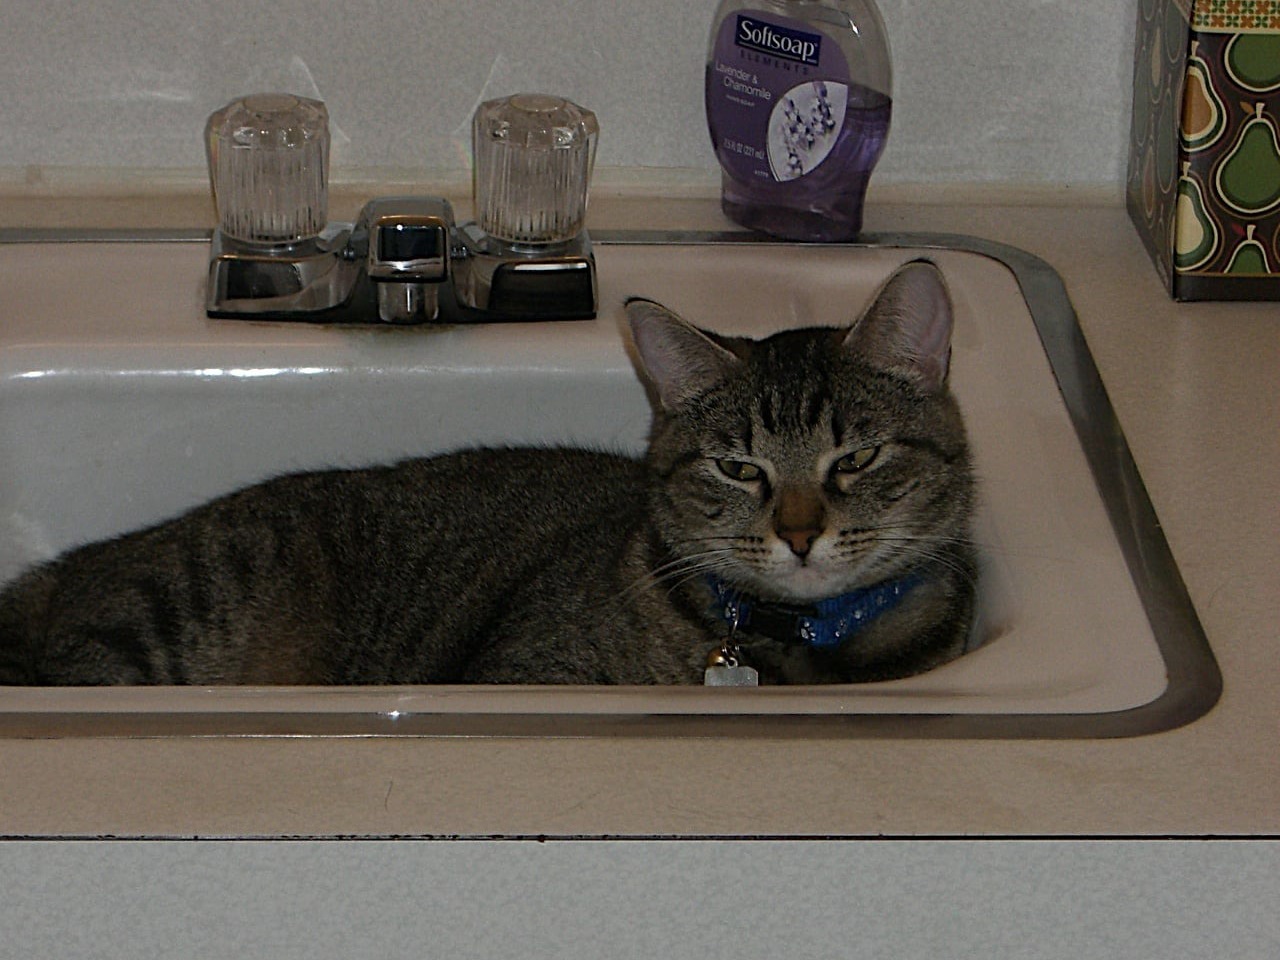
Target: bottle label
776	95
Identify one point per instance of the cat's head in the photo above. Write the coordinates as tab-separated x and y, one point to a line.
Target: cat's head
815	461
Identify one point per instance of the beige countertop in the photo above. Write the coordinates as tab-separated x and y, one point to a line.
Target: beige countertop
1196	388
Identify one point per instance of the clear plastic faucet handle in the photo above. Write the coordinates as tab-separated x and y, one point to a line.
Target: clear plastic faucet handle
533	160
269	167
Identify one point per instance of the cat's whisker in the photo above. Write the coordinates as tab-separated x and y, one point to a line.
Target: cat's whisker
921	549
874	533
670	575
682	573
678	571
674	584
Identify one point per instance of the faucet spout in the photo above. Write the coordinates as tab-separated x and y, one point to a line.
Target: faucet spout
407	255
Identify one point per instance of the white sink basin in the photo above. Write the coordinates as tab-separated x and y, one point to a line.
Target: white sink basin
121	403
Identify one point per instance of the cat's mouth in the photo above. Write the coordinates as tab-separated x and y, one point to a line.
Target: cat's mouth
807	579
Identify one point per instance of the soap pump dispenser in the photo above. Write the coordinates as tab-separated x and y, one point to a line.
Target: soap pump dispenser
798	97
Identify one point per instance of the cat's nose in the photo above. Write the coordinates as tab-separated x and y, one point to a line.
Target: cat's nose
799	519
800	541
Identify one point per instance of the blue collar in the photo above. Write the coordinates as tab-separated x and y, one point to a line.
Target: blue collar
823	624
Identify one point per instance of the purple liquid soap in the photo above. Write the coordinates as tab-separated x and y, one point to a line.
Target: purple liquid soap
825	203
796	134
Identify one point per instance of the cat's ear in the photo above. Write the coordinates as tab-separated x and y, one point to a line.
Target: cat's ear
680	359
907	328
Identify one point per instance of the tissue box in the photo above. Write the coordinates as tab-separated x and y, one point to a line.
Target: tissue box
1203	183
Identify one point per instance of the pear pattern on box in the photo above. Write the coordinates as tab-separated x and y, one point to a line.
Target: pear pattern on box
1204	118
1150	195
1173	32
1248	177
1249	257
1196	236
1253	61
1166	144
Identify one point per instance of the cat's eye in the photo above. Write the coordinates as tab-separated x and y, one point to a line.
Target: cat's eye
739	470
858	460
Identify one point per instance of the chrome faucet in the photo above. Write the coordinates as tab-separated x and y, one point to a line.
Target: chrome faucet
405	260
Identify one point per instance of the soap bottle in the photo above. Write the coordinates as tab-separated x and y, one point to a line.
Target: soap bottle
798	96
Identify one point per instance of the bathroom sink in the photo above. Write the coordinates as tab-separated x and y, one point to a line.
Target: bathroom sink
121	403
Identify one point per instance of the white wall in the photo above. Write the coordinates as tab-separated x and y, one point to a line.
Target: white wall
1020	91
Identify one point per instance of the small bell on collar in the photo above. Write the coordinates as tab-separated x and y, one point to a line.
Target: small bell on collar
726	669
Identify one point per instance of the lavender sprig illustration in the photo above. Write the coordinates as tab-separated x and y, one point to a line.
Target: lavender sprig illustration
801	132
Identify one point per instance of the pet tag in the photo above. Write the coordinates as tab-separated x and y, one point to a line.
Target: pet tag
726	669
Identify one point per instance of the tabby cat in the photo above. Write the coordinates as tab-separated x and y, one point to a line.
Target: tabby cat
810	492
